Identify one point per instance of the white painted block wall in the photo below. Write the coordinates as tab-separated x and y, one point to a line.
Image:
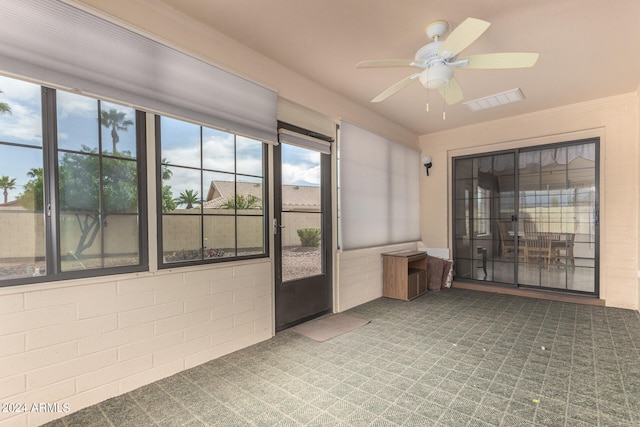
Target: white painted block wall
83	342
360	275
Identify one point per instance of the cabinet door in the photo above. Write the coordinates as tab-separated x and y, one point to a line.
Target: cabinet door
422	282
412	285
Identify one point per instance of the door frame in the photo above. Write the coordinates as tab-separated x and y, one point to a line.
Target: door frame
595	139
303	290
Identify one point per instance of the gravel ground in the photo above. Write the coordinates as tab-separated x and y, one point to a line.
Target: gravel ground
297	261
300	261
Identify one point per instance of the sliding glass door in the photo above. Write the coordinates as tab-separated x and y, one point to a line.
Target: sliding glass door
529	217
484	200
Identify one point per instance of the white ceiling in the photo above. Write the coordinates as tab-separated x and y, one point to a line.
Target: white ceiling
588	49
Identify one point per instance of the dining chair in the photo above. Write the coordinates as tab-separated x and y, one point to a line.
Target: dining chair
509	246
565	249
537	246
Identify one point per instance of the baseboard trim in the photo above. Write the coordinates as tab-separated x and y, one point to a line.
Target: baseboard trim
530	293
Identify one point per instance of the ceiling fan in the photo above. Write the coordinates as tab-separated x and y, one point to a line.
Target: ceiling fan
437	59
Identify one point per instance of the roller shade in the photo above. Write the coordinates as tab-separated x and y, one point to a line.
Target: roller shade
305	118
379	190
304	141
53	42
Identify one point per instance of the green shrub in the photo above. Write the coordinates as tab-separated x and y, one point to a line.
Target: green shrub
309	236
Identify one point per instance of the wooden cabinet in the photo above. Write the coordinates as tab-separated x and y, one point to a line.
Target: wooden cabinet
404	274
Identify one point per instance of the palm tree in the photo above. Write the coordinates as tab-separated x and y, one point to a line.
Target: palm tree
189	198
168	204
166	172
33	197
7	184
242	202
4	107
114	119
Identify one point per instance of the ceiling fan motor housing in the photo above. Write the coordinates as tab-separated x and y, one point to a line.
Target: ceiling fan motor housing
437	73
436	77
428	53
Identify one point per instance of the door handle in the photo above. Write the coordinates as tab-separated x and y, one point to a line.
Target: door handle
276	226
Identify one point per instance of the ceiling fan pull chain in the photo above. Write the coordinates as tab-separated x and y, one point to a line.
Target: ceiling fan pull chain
444	104
427	108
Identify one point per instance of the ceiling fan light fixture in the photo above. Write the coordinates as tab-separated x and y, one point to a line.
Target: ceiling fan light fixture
436	77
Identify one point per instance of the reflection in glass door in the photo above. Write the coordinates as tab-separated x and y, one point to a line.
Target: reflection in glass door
558	217
301	213
529	217
484	201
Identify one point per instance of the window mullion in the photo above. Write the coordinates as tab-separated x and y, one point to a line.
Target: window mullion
202	216
50	180
141	161
101	186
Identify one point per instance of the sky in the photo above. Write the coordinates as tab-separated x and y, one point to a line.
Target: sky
78	125
24	126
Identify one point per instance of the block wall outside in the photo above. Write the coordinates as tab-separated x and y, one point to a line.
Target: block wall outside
23	233
82	342
220	231
297	220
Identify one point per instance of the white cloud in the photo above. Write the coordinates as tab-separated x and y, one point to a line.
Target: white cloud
70	104
23	124
19	92
300	174
182	156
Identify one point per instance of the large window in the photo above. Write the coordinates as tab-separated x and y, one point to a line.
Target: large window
211	197
71	182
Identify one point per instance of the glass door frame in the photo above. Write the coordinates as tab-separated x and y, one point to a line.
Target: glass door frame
516	221
479	254
302	299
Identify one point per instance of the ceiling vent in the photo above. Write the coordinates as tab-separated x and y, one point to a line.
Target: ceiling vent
496	100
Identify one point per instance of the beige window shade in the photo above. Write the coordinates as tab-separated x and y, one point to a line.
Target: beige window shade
304	141
305	118
379	190
55	43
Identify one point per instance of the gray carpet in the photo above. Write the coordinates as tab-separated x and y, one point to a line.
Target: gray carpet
330	326
451	358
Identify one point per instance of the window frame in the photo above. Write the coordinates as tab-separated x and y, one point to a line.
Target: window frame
51	203
201	215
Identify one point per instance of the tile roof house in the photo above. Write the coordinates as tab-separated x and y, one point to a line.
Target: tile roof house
294	197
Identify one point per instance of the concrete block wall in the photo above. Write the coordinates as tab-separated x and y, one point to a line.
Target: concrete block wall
79	343
359	274
22	234
293	222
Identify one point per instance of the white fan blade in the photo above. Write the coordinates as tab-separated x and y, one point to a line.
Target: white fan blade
452	93
396	87
390	63
460	38
501	60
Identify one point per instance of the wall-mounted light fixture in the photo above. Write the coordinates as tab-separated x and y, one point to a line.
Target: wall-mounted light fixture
426	161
